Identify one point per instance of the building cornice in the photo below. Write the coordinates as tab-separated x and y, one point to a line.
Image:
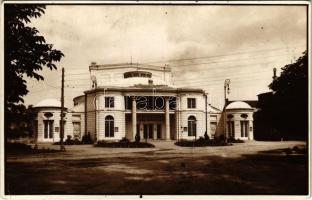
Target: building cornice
129	65
145	89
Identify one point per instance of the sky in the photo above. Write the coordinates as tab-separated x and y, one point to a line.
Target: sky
204	45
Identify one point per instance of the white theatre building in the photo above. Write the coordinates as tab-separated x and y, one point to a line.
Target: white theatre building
125	100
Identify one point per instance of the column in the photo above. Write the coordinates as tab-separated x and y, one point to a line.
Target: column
250	131
155	131
134	119
177	118
141	130
167	118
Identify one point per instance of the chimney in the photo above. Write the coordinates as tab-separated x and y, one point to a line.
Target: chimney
274	73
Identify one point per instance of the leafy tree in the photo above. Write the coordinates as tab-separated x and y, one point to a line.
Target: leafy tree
290	99
26	53
23	123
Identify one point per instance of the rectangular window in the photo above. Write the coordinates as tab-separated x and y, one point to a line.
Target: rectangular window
109	102
191	103
244	128
231	128
48	129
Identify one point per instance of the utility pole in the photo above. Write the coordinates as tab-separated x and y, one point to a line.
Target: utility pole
226	90
62	113
206	111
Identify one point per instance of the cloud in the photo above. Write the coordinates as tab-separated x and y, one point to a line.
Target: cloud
112	34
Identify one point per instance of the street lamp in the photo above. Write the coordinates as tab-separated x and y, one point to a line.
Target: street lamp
226	90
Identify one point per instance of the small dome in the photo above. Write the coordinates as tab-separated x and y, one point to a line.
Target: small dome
238	105
49	103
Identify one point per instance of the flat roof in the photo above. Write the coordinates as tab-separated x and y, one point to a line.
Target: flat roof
145	89
138	66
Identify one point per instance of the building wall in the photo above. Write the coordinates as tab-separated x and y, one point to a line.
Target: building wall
56	123
198	113
237	123
200	124
117	112
214	118
112	76
68	128
79	110
78	118
200	101
90	112
119	123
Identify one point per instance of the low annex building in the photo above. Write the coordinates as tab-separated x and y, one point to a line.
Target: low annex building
48	119
239	120
129	100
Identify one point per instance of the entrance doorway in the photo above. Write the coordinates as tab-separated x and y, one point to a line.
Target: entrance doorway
151	131
77	129
158	131
148	131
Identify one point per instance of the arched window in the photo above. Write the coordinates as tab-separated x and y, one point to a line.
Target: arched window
191	126
109	126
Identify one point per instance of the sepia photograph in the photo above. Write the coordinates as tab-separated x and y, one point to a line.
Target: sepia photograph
145	98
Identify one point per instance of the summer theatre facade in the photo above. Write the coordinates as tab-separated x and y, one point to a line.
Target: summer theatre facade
129	99
126	100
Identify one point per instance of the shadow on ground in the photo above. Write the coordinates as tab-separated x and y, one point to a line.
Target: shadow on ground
267	172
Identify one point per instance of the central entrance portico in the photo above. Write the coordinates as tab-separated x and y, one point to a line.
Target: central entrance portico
150	130
150	125
151	114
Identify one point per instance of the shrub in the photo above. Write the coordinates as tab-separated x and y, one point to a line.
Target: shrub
233	140
200	143
86	139
77	141
124	140
68	140
201	139
100	142
137	138
123	144
20	148
221	138
206	136
17	148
